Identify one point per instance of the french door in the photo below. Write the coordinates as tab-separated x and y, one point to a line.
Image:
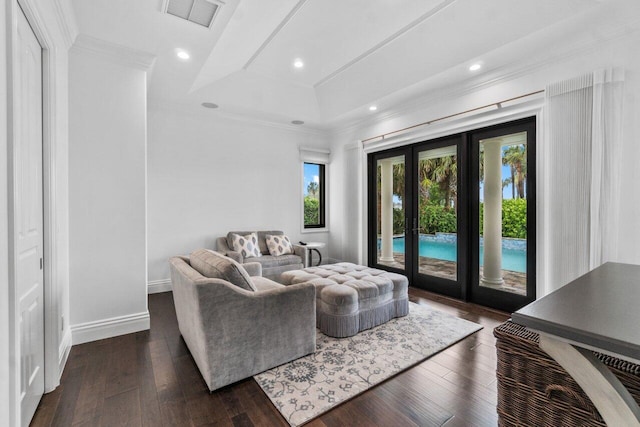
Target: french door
456	215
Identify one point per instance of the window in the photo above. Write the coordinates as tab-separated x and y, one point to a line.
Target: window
314	195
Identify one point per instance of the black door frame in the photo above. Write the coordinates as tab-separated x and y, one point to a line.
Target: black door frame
372	208
467	287
483	295
453	288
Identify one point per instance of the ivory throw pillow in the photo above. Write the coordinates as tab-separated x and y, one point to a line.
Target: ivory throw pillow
246	245
278	245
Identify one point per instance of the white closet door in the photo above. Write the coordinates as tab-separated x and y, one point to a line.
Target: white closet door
28	223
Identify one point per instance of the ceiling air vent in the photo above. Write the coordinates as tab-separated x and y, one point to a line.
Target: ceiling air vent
199	12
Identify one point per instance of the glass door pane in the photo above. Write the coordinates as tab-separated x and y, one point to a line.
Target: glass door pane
437	220
390	211
503	213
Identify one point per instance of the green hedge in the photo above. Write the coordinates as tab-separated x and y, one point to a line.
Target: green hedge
398	221
311	210
435	218
514	218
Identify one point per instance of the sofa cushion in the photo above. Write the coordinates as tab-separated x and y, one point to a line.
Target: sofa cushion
246	245
278	245
264	284
217	266
261	238
269	261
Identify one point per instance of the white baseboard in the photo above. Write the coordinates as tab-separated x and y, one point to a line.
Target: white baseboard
157	286
65	348
63	354
108	328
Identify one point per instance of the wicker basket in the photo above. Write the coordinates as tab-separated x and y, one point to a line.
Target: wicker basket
533	390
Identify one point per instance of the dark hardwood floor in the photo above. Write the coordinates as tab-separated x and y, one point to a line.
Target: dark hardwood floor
149	379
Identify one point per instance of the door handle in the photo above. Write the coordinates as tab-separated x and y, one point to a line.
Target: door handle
415	228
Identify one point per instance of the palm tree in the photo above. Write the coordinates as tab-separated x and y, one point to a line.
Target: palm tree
444	171
508	181
516	157
312	189
398	187
398	180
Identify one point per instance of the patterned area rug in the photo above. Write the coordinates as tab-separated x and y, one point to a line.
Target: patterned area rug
342	368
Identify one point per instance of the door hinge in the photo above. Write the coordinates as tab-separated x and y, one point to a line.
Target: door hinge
40	263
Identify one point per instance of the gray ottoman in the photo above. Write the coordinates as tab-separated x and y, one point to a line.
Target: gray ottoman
351	298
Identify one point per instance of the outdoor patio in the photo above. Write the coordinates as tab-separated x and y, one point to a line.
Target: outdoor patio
513	281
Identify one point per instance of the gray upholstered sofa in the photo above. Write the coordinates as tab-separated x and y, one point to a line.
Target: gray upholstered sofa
241	326
272	266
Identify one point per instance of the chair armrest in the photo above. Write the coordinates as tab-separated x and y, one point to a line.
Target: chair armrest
253	268
247	332
302	252
225	250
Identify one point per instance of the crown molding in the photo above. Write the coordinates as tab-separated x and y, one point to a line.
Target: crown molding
114	52
66	21
188	109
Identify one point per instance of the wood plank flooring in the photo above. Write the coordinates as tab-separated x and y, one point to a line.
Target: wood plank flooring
149	379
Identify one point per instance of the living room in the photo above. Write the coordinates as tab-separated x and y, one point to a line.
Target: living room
137	170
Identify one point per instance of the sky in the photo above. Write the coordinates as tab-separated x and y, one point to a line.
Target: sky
311	172
506	193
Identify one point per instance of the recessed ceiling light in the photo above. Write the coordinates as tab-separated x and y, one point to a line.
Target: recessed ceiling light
373	108
297	122
209	105
475	67
298	63
183	54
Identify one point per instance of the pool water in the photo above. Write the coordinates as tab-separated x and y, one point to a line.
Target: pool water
512	260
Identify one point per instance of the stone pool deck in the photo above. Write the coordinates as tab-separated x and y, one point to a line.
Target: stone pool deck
513	281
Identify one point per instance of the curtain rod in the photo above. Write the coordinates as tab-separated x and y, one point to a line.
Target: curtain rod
497	104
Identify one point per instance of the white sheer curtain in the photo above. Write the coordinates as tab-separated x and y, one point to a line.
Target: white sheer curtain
583	135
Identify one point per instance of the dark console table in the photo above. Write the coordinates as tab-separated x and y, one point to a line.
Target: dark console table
599	311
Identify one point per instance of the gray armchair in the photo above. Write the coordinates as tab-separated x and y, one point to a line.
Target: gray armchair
234	333
272	266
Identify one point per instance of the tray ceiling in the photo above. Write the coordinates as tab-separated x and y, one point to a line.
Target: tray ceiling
355	52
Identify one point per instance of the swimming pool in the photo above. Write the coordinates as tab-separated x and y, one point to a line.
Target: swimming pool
512	259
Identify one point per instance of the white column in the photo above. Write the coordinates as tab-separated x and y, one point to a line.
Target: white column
492	265
386	214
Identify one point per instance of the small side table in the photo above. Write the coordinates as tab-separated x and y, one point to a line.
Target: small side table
313	247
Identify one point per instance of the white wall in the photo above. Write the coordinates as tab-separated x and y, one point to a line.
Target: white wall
619	52
107	190
210	174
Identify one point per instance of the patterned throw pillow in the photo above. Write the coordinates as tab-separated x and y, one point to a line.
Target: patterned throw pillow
247	245
279	245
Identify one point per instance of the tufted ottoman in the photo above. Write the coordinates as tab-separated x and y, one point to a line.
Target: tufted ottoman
351	298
